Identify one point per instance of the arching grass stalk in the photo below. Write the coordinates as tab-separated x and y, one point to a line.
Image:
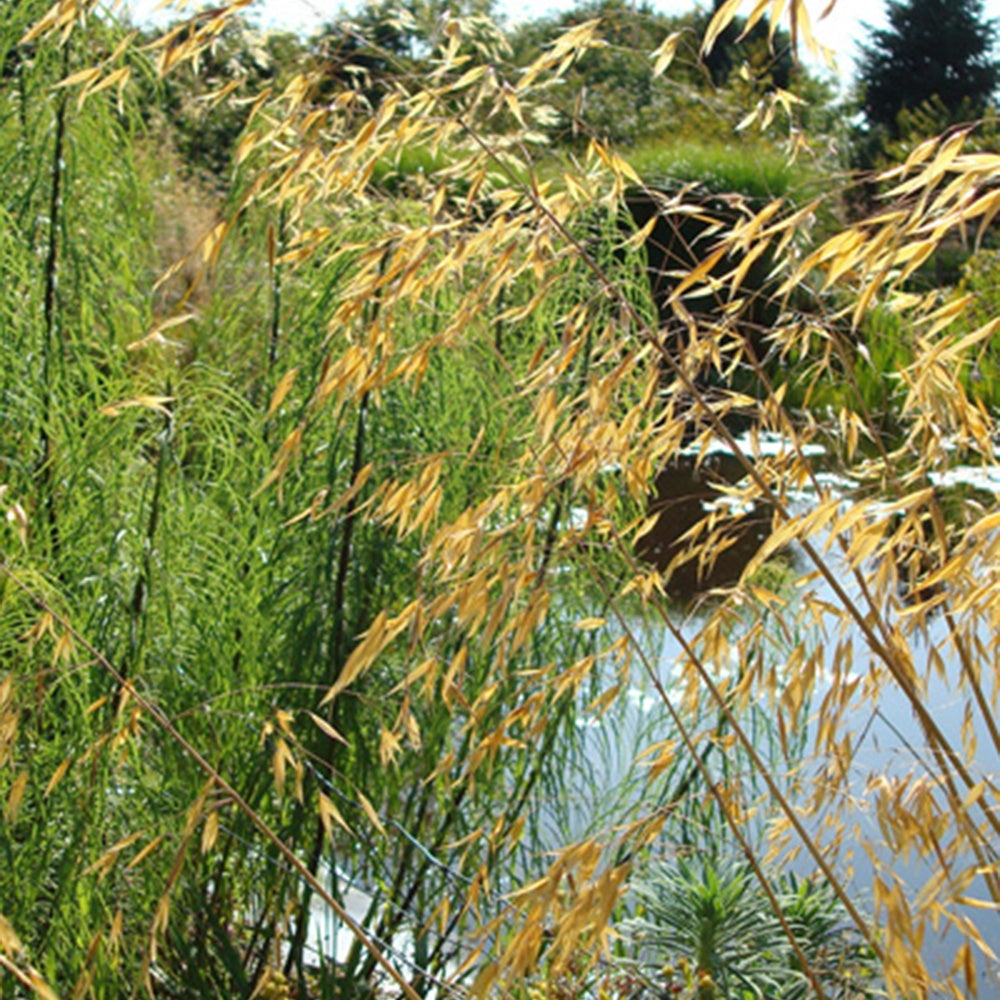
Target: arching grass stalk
941	748
724	432
947	757
699	762
139	601
481	567
275	249
338	633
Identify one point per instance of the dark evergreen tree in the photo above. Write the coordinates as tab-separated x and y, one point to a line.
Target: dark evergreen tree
931	48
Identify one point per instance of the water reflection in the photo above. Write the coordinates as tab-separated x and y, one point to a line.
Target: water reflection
887	741
685	493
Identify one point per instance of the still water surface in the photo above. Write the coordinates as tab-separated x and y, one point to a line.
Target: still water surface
888	739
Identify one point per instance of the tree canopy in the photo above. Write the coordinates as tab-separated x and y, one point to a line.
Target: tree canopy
931	49
622	99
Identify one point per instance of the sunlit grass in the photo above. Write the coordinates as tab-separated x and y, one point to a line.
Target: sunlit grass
335	566
755	170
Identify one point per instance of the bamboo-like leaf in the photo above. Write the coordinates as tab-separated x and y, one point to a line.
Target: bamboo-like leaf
369	811
116	78
159	404
210	832
144	853
57	775
281	391
15	796
721	19
103	865
326	728
663	54
329	815
10	943
85	76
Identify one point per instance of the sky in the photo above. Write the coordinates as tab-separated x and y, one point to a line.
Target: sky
840	31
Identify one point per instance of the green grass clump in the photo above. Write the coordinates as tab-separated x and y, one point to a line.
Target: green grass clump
756	171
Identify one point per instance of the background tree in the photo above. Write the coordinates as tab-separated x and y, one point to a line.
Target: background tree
242	61
611	93
932	48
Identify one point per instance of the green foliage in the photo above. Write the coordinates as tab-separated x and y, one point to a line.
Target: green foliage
931	49
981	371
322	571
750	168
611	93
189	108
708	929
139	451
768	55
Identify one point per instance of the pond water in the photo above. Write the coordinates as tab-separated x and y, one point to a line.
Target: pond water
604	779
889	741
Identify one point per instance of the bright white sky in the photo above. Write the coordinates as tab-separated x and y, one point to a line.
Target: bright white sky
840	31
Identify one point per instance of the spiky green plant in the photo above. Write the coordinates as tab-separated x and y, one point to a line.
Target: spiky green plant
706	927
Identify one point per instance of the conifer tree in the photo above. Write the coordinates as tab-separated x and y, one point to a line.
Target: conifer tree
931	49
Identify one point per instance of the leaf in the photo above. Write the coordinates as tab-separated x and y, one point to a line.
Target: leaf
144	853
699	273
864	301
326	728
10	943
155	336
369	811
210	831
720	21
107	860
663	54
15	796
159	404
81	76
388	747
17	516
211	243
424	670
41	988
379	634
986	525
634	242
330	814
57	776
283	388
118	77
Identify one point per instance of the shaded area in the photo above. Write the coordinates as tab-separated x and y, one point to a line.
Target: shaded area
685	234
684	495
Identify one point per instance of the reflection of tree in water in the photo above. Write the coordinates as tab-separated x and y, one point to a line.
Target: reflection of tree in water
682	239
684	495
